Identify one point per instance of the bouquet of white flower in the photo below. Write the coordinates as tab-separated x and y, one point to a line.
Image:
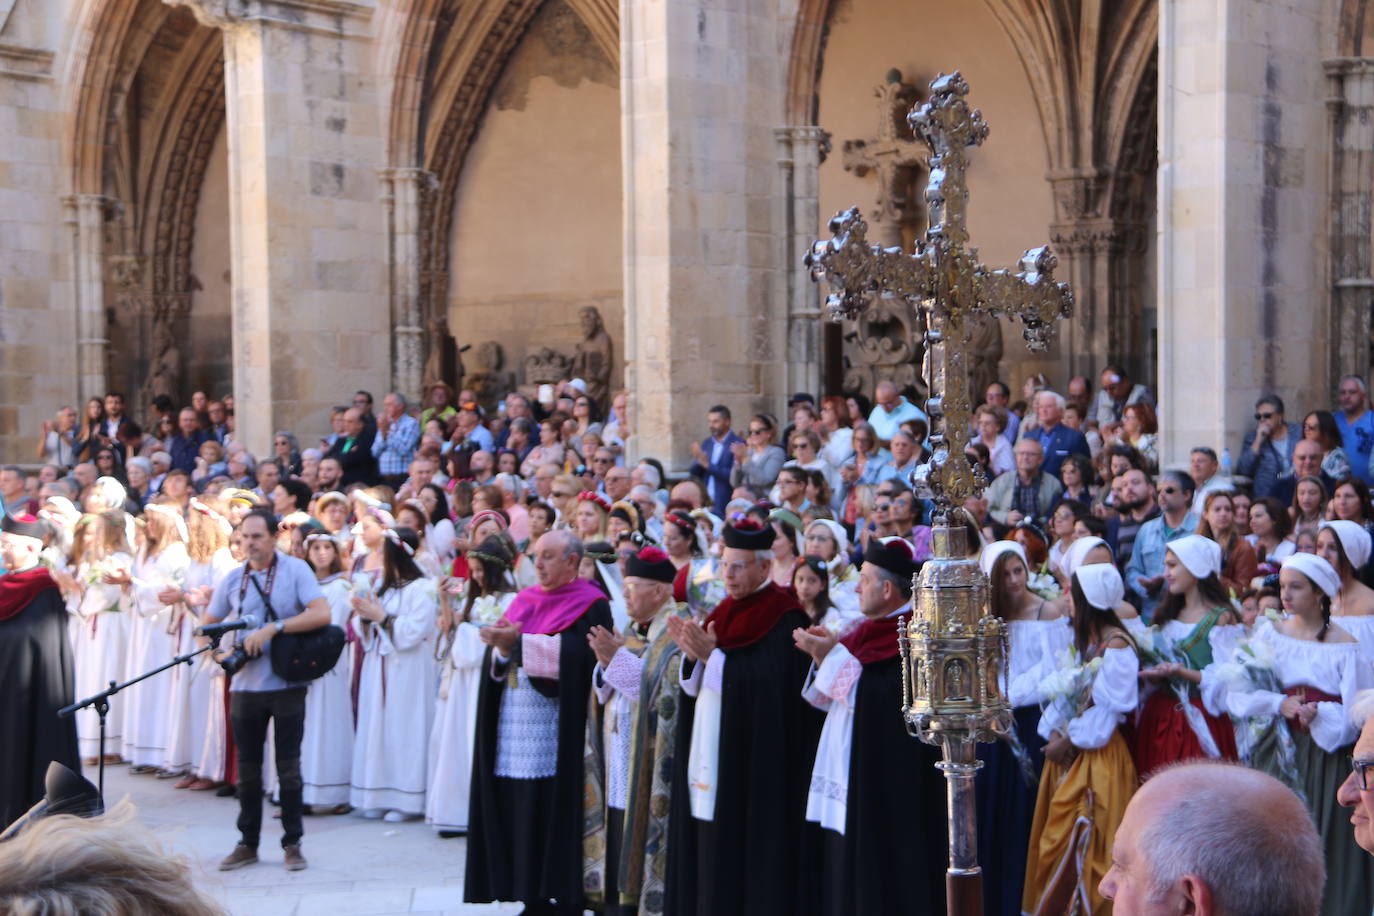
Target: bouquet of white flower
1155	649
1044	584
1067	691
1263	742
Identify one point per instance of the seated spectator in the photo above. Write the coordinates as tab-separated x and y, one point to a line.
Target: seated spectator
1140	430
1057	440
1267	453
1307	462
1117	391
1028	493
1320	426
991	423
892	408
1203	467
1217	522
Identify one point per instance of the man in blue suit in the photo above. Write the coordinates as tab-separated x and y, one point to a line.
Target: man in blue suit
1057	439
714	457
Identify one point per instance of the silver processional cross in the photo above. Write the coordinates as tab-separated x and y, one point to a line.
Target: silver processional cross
953	651
944	279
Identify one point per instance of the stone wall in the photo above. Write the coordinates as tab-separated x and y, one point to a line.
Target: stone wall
537	224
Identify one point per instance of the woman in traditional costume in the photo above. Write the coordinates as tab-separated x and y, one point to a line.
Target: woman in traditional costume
484	600
1318	668
1194	622
396	685
1037	636
1088	776
1346	546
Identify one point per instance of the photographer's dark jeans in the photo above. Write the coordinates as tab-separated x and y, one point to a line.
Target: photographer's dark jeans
249	713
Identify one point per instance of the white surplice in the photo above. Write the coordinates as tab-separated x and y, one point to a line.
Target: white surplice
396	702
327	745
455	717
150	645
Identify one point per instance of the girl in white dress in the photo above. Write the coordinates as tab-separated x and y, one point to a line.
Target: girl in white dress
327	745
484	600
190	691
162	561
396	685
100	609
212	770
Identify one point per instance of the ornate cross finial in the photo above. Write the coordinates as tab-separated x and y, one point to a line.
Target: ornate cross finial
943	278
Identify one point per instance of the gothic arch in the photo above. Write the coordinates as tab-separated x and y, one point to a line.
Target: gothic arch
804	63
1355	23
146	99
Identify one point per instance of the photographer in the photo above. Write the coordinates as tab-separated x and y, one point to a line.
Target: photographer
257	693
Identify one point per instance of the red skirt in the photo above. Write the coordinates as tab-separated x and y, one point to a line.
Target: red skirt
1163	735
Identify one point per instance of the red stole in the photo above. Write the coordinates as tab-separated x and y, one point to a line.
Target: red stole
17	590
874	640
739	623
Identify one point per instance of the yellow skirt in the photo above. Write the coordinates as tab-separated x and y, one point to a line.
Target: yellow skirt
1076	815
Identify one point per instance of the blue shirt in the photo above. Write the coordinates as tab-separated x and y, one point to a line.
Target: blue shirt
885	423
1358	438
293	587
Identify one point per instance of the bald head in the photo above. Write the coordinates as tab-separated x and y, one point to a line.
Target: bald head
1179	839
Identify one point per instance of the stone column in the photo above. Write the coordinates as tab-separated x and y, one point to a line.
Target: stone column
402	193
1242	204
85	217
799	159
702	85
306	224
1350	103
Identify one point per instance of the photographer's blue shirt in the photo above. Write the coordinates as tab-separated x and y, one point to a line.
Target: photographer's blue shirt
293	587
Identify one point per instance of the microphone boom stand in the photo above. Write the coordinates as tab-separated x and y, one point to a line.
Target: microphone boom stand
101	701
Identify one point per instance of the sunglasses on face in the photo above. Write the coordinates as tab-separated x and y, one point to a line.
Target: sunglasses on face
882	507
1264	416
1167	491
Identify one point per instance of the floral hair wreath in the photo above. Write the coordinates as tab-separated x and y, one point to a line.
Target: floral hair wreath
391	535
591	496
205	509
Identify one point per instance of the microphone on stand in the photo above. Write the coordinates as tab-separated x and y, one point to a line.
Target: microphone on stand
219	629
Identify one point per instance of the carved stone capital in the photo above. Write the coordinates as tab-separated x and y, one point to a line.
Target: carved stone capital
334	17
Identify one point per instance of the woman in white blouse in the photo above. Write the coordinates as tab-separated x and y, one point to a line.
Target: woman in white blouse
1037	636
1320	669
1346	545
1088	771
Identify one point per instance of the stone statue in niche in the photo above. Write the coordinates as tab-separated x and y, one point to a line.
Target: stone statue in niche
592	361
985	336
489	381
164	372
443	360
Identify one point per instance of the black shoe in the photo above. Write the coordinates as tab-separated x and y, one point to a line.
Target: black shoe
450	834
226	792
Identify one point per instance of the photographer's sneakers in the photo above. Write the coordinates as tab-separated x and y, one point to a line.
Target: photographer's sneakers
294	860
240	857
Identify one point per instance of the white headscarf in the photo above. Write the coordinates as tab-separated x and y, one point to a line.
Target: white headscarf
1316	569
837	533
996	549
1199	555
1073	557
1101	584
1353	539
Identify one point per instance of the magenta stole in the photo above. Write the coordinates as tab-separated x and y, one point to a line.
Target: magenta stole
541	612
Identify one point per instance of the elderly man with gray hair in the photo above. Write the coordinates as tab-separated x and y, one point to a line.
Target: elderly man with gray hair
525	840
1215	839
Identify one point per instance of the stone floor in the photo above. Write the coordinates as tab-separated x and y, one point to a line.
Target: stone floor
357	866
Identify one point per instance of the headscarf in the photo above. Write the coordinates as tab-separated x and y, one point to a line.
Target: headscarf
1073	557
1199	555
993	551
1101	584
1316	569
1353	540
837	532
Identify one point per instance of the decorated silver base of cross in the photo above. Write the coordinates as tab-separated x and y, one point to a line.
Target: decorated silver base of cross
953	650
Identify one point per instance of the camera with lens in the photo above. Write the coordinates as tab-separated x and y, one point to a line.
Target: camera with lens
233	662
